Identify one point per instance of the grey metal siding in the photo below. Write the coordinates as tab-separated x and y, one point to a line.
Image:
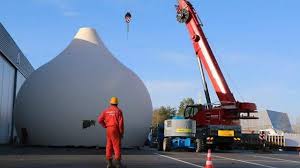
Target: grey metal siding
14	69
10	50
7	83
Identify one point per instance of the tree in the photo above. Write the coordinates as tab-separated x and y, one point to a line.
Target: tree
161	114
183	104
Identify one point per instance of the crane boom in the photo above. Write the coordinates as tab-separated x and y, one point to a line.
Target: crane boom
204	52
216	125
230	108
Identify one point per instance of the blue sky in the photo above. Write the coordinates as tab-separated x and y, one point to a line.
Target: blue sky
256	43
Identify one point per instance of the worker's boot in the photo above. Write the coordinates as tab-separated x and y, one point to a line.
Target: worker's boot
109	164
118	164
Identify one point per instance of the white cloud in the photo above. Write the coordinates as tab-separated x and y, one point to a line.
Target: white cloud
273	96
63	5
178	58
170	93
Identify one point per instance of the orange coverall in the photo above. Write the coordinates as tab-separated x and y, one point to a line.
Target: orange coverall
112	119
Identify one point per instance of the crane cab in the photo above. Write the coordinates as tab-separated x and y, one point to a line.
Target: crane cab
210	131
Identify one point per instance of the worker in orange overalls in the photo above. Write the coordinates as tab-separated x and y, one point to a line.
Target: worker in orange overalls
112	119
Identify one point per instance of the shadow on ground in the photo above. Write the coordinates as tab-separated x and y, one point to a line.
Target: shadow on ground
39	150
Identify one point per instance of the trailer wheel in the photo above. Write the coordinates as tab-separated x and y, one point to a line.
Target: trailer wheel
167	144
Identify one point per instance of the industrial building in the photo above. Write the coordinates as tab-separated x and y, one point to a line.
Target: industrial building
75	86
268	119
14	69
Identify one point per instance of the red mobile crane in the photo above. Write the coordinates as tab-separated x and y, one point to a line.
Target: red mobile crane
217	125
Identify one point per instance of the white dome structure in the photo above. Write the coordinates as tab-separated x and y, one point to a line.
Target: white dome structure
75	86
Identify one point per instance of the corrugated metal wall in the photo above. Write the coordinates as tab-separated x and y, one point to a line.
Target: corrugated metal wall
7	84
12	52
14	69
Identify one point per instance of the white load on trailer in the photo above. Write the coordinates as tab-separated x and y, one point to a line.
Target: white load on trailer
276	137
292	140
273	137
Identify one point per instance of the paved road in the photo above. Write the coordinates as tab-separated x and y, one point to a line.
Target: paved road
37	157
